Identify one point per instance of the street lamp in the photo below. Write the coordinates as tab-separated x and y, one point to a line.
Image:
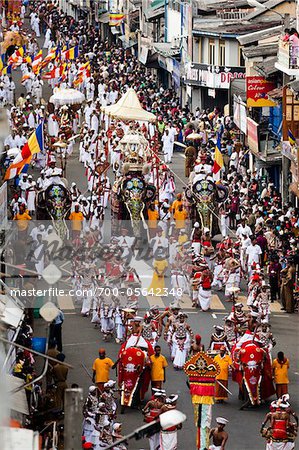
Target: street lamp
164	421
256	4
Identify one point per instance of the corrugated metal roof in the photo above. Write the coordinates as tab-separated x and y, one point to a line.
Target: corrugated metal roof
220	27
261	34
260	50
266	67
166	49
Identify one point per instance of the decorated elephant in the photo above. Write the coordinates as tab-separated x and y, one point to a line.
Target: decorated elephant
130	198
204	195
253	373
54	203
134	370
11	40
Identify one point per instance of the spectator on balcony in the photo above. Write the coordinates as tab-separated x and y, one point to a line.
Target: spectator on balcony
294	50
286	36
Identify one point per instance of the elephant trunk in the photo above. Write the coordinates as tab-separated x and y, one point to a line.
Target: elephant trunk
135	208
205	215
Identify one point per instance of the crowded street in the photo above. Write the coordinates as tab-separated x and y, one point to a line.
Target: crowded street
149	230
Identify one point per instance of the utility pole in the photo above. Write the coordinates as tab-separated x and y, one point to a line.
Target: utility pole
73	404
285	162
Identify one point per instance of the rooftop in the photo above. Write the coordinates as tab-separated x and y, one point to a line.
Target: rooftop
215	26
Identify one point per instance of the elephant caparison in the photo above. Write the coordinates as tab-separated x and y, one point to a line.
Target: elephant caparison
205	195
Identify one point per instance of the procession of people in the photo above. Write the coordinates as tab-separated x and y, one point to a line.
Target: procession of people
138	232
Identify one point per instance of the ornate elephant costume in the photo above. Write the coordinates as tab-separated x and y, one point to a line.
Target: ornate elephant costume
133	194
204	195
133	375
54	203
253	372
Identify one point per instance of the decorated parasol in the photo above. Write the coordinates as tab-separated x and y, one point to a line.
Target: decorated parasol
67	97
193	137
129	108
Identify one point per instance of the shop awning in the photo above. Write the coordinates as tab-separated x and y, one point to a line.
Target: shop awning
267	67
127	44
294	86
155	4
275	93
104	18
166	49
11	313
152	14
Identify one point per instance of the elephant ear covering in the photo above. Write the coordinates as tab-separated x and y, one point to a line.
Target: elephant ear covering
145	169
221	193
189	195
126	168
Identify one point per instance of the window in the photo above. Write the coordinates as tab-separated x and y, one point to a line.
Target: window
212	52
199	51
241	58
221	53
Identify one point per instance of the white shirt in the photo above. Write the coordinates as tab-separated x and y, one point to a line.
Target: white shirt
253	252
243	230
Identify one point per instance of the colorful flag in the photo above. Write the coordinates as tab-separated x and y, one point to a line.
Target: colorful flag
115	19
72	53
78	80
25	77
51	55
35	144
54	73
37	62
2	59
291	138
16	168
63	71
218	158
15	57
27	59
6	70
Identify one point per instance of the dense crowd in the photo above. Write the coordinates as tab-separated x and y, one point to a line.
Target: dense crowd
252	236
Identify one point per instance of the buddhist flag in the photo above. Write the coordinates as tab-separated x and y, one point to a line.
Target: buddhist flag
6	70
291	138
16	56
51	55
54	73
37	62
72	53
25	77
63	71
218	158
35	144
2	59
27	59
115	19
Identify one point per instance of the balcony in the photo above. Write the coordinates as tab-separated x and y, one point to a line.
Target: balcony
288	58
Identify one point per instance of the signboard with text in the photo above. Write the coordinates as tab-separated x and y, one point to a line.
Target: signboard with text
253	136
257	89
215	77
240	114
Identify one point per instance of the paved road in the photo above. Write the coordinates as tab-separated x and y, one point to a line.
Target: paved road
82	340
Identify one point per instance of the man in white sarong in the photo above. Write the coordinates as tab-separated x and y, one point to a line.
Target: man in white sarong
168	437
30	195
167	149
